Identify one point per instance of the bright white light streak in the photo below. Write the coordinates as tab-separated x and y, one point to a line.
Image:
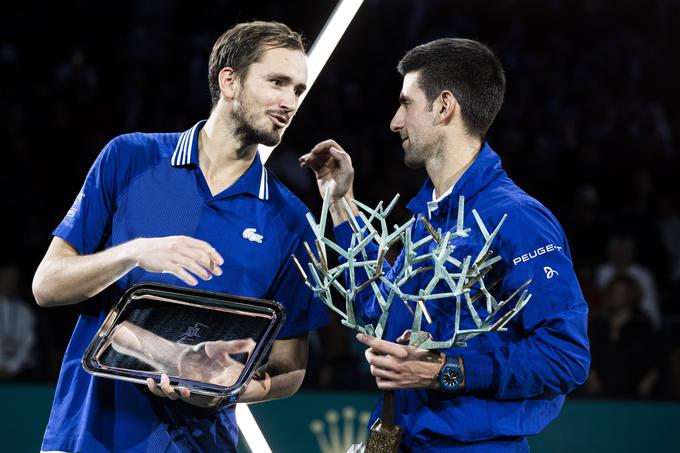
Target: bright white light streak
251	432
319	54
328	39
322	49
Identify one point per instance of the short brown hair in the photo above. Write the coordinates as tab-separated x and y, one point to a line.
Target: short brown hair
243	44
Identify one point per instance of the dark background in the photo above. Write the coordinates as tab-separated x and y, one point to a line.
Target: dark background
589	126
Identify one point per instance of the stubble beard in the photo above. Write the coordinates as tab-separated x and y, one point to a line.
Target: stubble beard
247	132
418	153
413	157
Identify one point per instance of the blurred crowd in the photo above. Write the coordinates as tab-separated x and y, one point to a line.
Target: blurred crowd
590	126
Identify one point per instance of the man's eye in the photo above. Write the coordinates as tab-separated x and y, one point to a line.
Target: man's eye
276	82
298	92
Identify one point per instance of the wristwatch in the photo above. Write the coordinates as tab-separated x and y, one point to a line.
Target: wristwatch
452	375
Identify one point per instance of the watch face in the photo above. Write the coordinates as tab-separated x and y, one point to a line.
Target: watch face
450	378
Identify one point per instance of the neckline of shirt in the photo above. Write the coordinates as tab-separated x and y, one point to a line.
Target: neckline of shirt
186	154
433	205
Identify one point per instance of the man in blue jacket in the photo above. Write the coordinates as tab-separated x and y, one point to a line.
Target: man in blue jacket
504	386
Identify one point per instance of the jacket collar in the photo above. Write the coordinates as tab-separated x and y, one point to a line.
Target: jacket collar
485	168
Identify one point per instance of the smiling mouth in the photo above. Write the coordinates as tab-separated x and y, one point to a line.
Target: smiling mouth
279	120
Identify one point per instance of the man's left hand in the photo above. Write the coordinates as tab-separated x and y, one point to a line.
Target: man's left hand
397	366
164	389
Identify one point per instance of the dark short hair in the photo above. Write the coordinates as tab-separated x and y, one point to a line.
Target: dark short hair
466	68
243	44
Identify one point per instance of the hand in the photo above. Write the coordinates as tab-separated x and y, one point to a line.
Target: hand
165	390
180	256
332	167
397	366
205	362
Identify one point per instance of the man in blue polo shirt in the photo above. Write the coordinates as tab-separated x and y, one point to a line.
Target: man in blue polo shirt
195	208
504	386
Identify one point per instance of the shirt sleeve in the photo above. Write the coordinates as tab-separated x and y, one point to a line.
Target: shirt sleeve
304	311
552	352
88	222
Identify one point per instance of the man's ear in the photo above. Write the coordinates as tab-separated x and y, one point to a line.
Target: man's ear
228	83
445	106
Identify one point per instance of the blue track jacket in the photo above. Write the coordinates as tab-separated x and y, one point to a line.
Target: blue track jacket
515	381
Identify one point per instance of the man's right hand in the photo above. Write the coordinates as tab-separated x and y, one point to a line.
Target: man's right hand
332	167
181	256
66	277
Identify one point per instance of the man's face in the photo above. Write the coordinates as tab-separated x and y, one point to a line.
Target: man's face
414	122
269	95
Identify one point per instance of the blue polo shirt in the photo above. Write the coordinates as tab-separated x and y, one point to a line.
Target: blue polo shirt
150	185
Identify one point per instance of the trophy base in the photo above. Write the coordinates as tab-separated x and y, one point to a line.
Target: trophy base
382	439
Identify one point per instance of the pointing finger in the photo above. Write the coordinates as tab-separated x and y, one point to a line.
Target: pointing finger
382	346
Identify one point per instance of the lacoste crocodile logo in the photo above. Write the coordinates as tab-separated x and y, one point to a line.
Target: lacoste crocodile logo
252	235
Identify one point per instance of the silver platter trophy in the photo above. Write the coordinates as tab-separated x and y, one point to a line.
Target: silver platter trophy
433	260
208	342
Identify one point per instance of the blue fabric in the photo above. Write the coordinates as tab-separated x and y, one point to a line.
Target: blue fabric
515	381
135	190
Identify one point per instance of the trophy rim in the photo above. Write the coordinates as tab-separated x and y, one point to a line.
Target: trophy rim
206	300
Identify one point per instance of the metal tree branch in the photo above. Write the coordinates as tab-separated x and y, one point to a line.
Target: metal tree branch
459	275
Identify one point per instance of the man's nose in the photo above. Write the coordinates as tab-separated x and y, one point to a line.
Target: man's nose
397	122
288	101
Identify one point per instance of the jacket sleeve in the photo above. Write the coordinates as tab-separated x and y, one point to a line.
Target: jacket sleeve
551	350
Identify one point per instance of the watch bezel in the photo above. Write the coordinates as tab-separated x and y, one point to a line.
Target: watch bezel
450	377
